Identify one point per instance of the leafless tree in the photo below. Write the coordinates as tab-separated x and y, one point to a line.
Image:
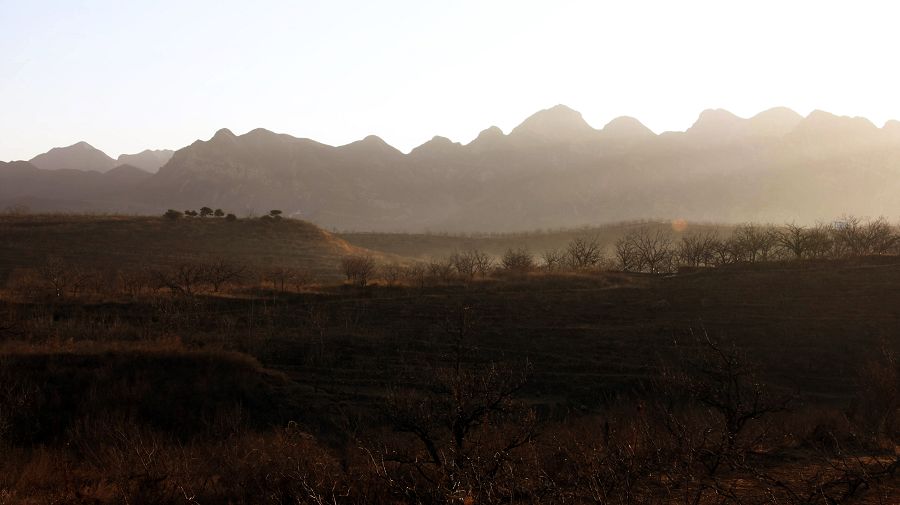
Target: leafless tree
584	253
880	237
358	269
627	255
849	237
725	396
820	242
465	420
471	263
184	279
484	262
464	264
553	260
653	249
391	273
697	249
280	277
752	243
854	237
57	274
795	239
221	273
416	274
440	270
81	278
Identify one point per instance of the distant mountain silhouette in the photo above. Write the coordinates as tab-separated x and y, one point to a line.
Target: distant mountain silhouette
773	122
22	183
626	128
557	124
147	160
80	156
552	170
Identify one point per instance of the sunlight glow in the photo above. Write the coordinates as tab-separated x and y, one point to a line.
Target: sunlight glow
126	76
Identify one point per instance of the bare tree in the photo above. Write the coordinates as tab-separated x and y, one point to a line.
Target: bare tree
464	264
584	253
280	277
848	237
854	237
358	269
795	239
184	279
627	255
416	274
517	260
441	269
553	260
653	249
483	262
707	404
57	274
465	420
880	237
820	242
471	263
391	273
752	243
697	249
221	272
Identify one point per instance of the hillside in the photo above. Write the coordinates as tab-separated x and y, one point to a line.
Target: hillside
132	242
147	160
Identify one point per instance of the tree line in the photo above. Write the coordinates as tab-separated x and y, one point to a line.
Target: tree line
648	249
173	214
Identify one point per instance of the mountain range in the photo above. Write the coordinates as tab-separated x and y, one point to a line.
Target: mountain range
552	170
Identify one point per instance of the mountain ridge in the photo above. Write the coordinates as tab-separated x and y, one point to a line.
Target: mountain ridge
553	169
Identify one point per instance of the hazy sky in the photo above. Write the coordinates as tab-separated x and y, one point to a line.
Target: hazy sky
130	75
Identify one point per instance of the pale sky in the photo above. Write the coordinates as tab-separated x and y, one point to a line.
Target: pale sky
130	75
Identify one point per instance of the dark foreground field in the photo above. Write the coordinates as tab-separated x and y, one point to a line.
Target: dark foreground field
762	383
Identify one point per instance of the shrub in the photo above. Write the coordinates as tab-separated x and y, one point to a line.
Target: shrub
173	214
517	260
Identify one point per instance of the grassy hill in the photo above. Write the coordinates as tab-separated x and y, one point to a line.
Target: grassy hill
130	241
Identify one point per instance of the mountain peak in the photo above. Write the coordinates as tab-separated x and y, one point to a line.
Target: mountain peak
774	122
716	126
437	145
223	133
712	119
374	139
626	127
491	132
256	132
559	124
488	138
78	156
372	143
